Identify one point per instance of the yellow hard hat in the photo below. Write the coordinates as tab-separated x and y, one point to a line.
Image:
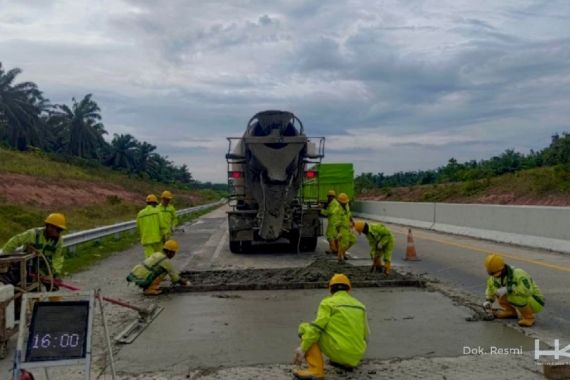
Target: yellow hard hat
166	194
359	226
494	263
56	219
171	245
151	198
331	193
339	278
343	198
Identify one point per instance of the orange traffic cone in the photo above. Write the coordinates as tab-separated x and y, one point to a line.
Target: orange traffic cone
411	248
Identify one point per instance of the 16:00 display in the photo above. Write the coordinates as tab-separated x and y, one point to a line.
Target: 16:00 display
62	341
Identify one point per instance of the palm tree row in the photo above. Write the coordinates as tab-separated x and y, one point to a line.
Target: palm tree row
28	120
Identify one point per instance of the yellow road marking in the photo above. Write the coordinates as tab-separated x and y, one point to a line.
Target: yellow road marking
561	268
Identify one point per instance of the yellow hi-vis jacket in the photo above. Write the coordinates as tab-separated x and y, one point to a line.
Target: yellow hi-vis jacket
329	212
379	234
521	289
169	217
156	265
150	225
52	249
342	222
340	329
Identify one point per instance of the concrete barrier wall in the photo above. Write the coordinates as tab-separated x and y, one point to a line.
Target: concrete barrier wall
532	226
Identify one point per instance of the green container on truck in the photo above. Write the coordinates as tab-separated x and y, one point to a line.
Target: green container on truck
330	176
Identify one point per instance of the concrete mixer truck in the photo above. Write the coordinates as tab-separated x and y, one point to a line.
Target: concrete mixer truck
267	167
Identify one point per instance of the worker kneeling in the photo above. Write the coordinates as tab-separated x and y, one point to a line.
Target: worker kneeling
381	242
339	331
514	290
154	268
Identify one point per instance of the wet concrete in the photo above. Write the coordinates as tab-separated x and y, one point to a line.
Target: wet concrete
250	328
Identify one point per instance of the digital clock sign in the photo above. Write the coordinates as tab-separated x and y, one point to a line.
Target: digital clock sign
58	331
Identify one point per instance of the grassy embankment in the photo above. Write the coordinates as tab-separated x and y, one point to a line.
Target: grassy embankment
546	186
26	177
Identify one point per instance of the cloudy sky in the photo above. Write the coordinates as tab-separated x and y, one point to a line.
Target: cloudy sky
393	85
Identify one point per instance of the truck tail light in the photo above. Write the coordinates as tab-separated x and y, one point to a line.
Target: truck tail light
236	175
311	174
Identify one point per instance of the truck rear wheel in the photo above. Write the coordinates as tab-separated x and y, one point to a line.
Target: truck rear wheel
240	246
309	244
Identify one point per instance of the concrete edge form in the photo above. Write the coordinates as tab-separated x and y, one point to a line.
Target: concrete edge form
530	226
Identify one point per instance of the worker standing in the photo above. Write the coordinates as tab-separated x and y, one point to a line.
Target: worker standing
154	269
514	290
47	241
329	211
381	243
168	213
339	331
342	221
152	228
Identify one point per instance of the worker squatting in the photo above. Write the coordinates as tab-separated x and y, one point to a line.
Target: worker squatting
340	329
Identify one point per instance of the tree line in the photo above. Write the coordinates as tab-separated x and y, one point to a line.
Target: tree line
557	153
29	121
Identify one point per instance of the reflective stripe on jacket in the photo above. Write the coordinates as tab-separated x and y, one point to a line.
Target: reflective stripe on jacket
152	267
520	288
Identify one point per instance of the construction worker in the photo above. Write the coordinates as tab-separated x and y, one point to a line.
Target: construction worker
339	331
154	268
342	221
381	243
329	210
47	241
514	290
168	213
151	226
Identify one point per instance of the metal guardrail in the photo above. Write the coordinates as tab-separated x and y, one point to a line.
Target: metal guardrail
73	239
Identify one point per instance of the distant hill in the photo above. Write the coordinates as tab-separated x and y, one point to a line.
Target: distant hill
34	184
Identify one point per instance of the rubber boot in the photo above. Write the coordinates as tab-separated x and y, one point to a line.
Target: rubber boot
153	289
527	316
508	310
316	370
387	267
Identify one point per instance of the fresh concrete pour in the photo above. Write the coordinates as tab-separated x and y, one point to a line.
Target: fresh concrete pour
250	328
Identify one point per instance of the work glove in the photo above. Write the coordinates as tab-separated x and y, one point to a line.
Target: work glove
184	283
299	356
501	291
487	305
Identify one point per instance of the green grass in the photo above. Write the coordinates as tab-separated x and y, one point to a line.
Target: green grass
93	252
535	183
16	217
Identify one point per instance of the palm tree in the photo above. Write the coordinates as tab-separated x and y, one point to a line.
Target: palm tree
123	152
143	155
81	124
20	107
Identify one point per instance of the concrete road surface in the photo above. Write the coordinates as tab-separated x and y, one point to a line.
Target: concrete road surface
415	333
